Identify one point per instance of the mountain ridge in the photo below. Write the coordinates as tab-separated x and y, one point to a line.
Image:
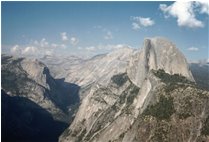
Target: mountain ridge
116	96
94	124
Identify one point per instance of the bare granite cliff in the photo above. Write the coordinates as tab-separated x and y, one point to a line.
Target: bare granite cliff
158	53
111	112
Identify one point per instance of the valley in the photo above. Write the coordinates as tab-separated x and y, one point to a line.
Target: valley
151	94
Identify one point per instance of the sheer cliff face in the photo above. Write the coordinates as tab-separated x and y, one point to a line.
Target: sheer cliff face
158	53
108	112
175	110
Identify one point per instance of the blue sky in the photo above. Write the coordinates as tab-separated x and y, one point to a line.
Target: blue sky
97	27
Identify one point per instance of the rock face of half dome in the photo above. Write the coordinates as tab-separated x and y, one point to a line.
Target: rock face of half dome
158	53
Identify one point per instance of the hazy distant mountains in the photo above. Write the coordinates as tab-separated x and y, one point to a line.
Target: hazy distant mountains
151	94
201	74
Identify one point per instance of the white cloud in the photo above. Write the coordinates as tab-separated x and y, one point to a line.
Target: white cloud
74	41
80	48
146	22
108	35
91	48
62	46
193	49
118	46
184	12
139	22
110	47
30	50
204	6
38	48
135	26
15	49
54	45
44	43
36	42
64	36
49	52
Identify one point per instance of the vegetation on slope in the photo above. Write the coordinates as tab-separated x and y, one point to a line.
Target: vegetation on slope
120	79
161	110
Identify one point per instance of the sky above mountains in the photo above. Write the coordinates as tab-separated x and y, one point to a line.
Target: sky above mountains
90	28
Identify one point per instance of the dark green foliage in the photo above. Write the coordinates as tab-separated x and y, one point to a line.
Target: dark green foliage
114	108
133	92
123	97
186	108
161	110
205	128
184	115
167	78
172	81
161	132
120	79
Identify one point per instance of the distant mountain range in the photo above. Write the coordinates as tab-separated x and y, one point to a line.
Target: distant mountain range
127	95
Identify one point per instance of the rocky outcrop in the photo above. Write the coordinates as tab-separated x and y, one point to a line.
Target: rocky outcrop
111	108
158	53
103	111
172	104
180	113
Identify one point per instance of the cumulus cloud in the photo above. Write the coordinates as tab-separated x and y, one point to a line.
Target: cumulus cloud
63	46
185	13
108	35
193	49
139	22
15	49
35	48
91	48
44	43
74	41
30	50
49	52
135	26
144	21
204	6
64	36
110	47
54	45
